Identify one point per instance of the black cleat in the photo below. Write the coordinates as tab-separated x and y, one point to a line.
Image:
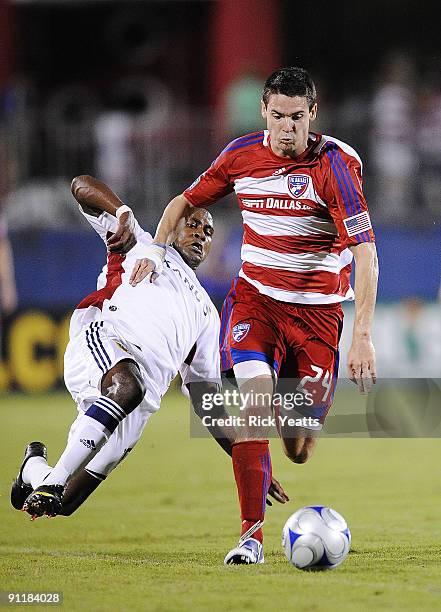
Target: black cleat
19	489
44	500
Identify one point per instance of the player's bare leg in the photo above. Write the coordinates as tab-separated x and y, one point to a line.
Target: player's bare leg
252	461
122	391
256	407
78	489
298	444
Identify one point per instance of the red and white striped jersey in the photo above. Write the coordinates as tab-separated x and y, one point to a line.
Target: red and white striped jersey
299	215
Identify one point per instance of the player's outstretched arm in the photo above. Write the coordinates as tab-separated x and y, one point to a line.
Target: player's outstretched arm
177	209
225	436
202	398
96	197
361	357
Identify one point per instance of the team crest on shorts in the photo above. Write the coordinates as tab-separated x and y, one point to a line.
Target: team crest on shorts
240	331
298	184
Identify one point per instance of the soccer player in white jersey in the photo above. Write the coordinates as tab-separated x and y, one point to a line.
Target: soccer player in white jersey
305	219
126	346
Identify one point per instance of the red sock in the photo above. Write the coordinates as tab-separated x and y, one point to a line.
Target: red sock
252	471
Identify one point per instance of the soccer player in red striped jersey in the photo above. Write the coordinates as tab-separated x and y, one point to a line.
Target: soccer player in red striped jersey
305	219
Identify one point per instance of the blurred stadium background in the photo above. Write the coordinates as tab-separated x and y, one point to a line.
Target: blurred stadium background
143	94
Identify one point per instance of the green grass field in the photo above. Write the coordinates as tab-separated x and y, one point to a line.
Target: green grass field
153	537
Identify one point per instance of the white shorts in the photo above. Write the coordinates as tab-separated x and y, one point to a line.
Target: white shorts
94	350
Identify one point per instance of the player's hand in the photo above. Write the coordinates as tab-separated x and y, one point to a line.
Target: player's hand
361	364
142	268
124	238
152	264
276	492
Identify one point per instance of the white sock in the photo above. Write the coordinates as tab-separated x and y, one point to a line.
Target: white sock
35	471
87	439
91	433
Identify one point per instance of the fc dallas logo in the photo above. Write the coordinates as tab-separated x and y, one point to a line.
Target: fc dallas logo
240	331
298	184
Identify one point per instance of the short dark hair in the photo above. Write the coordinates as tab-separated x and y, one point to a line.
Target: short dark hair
291	81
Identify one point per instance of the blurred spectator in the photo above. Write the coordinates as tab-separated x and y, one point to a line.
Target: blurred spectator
242	105
429	142
41	204
8	291
413	311
114	153
7	278
351	120
394	137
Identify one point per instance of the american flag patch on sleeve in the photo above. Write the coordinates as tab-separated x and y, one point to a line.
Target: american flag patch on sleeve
358	223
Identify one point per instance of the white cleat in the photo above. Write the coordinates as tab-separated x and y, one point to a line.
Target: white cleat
248	552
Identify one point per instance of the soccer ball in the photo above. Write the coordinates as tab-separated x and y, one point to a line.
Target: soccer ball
316	538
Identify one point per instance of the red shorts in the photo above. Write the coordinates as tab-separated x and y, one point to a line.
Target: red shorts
299	342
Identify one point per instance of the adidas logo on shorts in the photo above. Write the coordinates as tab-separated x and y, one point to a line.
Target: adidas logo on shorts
88	443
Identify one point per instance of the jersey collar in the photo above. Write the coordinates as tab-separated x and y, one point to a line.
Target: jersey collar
182	262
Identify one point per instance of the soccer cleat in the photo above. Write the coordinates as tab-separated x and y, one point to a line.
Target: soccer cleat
20	490
44	500
247	552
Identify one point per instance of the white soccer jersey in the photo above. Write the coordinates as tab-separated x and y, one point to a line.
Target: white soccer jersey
172	321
